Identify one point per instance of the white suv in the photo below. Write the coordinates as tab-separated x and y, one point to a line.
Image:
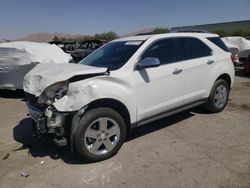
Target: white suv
124	84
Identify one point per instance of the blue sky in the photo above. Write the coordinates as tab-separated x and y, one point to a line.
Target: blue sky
19	18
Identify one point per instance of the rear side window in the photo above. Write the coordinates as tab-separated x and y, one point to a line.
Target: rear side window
164	50
218	42
191	48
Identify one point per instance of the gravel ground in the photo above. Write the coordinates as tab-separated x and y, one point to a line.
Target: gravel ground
190	149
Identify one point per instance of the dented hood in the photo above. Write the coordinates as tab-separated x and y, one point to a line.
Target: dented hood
44	75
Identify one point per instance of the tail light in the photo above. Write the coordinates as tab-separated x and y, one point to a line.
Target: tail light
233	59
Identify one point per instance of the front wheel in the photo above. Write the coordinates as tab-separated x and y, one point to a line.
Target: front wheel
218	97
100	134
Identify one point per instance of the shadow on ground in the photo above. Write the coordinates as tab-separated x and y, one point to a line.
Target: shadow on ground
17	94
43	147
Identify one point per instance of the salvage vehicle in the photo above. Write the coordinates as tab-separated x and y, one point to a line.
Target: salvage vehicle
127	83
18	58
246	64
66	46
244	58
239	48
86	48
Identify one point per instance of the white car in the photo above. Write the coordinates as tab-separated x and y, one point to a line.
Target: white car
19	57
124	84
239	48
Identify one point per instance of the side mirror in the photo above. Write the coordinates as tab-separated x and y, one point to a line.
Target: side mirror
148	62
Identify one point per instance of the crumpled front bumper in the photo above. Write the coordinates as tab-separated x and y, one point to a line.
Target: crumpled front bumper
46	120
40	121
35	113
44	125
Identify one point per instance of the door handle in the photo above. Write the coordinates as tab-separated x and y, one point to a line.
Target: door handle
210	62
177	71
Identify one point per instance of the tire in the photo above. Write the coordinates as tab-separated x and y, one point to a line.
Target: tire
95	143
218	97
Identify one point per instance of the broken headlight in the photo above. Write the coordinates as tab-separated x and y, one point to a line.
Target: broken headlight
53	92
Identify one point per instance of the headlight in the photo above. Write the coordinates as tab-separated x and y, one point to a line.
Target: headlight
53	92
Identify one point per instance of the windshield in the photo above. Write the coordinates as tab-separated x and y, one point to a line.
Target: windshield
112	55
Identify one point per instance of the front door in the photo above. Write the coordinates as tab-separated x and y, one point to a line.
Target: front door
159	89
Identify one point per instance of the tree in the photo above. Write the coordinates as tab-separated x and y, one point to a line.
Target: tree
106	36
102	36
56	38
160	30
221	32
241	32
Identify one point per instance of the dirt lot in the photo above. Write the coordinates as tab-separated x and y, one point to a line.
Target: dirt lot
190	149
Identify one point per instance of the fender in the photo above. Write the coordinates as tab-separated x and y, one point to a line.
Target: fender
221	68
81	93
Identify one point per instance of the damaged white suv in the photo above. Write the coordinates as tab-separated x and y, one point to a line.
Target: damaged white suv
124	84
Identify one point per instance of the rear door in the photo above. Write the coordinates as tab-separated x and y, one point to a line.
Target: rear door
198	62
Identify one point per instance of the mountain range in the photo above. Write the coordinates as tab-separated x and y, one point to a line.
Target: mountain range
46	37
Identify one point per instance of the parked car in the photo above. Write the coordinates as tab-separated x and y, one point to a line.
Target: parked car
18	58
86	48
243	56
238	47
246	63
127	83
66	46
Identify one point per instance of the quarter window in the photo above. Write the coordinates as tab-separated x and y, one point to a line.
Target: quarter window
191	48
217	41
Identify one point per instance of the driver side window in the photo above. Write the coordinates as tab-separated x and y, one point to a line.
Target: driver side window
164	50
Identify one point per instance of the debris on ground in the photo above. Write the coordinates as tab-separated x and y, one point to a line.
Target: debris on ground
42	162
6	156
24	174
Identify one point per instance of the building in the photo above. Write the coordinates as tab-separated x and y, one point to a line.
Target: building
226	26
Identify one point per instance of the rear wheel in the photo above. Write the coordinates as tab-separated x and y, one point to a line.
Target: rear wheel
218	97
100	134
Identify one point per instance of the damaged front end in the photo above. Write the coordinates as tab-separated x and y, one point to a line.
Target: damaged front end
54	95
46	119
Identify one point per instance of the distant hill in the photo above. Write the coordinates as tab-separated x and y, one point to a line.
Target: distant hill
142	31
46	37
227	26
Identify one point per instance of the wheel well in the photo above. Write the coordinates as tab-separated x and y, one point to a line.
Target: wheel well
225	77
115	105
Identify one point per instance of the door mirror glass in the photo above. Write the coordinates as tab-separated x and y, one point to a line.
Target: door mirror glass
148	62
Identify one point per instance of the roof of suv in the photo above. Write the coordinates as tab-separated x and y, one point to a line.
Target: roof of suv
145	37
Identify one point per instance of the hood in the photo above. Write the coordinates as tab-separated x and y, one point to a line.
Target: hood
44	75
